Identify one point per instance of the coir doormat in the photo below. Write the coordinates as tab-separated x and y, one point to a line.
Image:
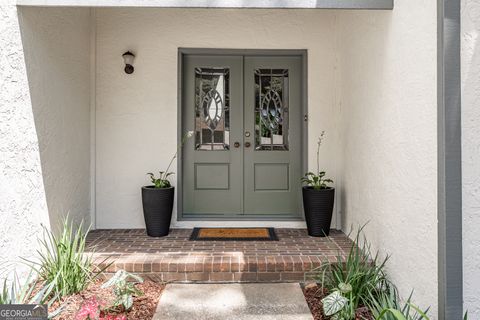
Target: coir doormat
233	234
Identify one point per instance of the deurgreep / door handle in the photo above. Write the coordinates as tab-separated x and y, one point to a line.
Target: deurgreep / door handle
236	144
247	144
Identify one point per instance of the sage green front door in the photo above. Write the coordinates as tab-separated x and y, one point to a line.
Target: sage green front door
245	159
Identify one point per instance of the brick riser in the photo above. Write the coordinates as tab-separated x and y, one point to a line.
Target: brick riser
221	276
223	269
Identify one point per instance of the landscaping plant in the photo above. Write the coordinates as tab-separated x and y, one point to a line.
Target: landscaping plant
162	180
386	305
28	291
356	279
359	284
123	284
18	292
92	310
336	305
317	180
63	262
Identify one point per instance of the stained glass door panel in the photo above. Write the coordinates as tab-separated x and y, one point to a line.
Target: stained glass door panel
212	108
271	109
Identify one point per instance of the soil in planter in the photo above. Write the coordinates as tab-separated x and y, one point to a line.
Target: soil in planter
314	296
143	306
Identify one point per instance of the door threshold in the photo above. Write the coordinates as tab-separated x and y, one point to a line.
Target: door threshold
187	217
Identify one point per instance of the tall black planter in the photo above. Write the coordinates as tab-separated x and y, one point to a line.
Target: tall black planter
318	206
157	209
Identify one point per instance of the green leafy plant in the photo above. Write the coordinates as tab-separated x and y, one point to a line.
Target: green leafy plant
337	303
317	180
18	292
162	181
62	260
334	304
357	278
399	315
124	289
92	309
30	290
386	305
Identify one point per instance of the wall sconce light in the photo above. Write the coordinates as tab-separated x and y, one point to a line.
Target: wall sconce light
128	57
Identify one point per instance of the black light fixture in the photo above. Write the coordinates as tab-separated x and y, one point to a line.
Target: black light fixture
128	57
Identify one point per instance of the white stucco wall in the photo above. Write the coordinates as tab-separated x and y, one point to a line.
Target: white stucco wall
56	42
387	99
43	132
471	155
136	115
23	204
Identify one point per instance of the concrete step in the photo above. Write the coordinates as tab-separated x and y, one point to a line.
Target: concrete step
253	301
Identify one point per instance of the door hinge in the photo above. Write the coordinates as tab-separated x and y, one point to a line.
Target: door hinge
305	118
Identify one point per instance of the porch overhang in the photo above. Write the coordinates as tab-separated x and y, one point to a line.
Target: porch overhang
258	4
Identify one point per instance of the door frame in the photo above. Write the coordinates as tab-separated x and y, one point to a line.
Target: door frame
182	52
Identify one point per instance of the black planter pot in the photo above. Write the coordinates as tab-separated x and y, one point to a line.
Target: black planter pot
157	209
318	206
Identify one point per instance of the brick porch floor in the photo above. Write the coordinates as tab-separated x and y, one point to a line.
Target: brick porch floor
175	258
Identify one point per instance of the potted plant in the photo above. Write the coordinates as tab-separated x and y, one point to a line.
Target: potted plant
318	199
157	199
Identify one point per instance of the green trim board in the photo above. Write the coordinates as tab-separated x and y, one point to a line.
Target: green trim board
450	259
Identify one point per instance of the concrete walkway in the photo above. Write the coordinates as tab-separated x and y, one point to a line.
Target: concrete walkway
262	301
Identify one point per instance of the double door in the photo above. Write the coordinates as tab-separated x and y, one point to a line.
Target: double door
245	157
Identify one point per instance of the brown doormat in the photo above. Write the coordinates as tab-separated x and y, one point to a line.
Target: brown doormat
233	234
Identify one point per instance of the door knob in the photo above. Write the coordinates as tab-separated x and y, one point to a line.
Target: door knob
247	144
236	144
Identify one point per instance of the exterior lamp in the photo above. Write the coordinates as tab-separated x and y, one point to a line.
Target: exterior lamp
128	57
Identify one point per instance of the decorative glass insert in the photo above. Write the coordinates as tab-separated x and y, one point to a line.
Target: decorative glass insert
271	109
212	109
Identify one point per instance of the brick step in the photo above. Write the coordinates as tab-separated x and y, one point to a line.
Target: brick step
176	258
215	269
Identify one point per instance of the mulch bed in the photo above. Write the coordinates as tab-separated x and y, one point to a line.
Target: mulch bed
143	306
314	295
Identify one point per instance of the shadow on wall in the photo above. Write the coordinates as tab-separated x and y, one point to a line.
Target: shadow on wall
362	71
56	43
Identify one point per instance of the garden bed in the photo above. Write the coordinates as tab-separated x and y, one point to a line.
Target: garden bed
314	295
143	308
